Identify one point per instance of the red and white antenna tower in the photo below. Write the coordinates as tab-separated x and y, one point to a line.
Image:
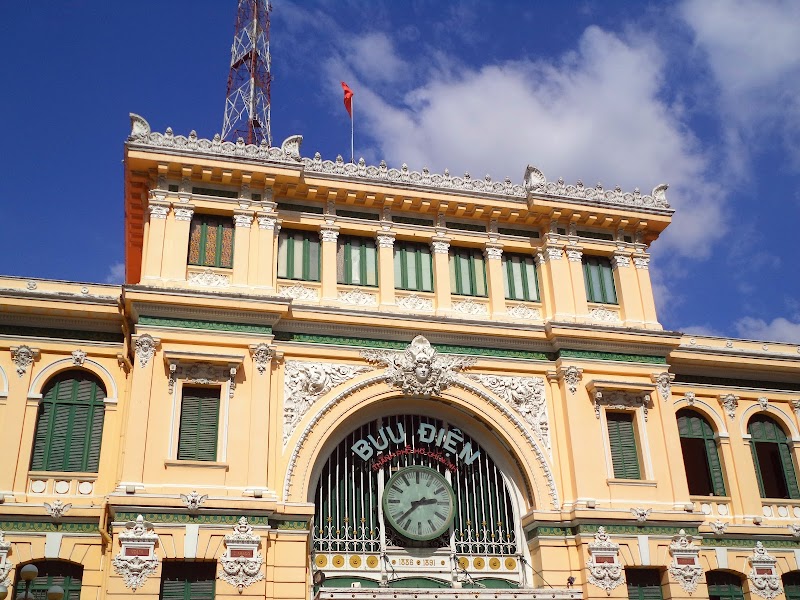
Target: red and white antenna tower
247	103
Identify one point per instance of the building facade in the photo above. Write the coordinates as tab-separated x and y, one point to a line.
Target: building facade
335	379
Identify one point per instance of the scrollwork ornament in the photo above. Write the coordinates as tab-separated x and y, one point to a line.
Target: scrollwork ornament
208	278
606	574
183	213
5	565
357	297
729	403
620	400
415	302
574	255
57	509
685	568
620	260
158	211
385	239
262	355
267	223
193	501
572	376
137	565
764	579
493	252
521	311
641	262
718	527
145	348
641	514
553	253
329	233
23	357
241	562
243	220
795	529
440	246
663	383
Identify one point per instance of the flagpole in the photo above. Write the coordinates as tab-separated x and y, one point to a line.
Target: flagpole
352	131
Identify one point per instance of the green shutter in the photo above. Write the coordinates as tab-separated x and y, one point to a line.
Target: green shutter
599	280
714	465
199	424
788	470
356	261
413	267
757	467
622	440
173	590
694	425
39	455
188	580
64	574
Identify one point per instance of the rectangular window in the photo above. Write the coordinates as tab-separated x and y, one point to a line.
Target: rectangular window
187	580
519	277
467	272
622	440
298	255
356	261
413	267
599	278
199	425
211	241
644	584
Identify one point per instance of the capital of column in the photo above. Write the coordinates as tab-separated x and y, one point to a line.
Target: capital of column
493	251
267	221
329	233
243	218
158	210
553	252
385	238
182	212
619	259
440	245
641	262
574	254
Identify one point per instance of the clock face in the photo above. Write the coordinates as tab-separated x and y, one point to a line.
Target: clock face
419	503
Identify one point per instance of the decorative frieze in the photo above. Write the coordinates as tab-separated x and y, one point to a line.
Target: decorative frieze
298	292
621	400
415	302
241	562
763	576
305	382
685	566
604	568
145	348
524	312
471	308
209	278
23	357
202	373
357	297
419	370
136	560
601	314
730	403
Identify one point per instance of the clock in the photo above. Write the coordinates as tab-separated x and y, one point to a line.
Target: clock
418	503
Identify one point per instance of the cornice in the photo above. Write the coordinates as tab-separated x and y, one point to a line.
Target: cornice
534	184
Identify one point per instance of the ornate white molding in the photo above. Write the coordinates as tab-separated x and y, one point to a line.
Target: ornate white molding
241	562
78	357
243	220
794	528
601	314
730	403
526	395
305	382
202	373
440	246
572	376
416	302
136	560
641	514
796	407
493	251
267	222
663	383
641	262
298	292
620	260
328	233
385	239
358	297
262	355
690	398
158	211
618	399
419	370
23	357
718	527
574	254
685	566
521	311
208	278
57	509
763	402
193	501
553	252
145	347
604	568
763	576
468	306
183	212
5	565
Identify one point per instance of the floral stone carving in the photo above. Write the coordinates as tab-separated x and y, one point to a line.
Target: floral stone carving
415	302
729	403
663	383
136	560
208	278
298	292
572	376
641	514
420	370
605	571
5	565
685	567
145	348
617	400
57	509
357	297
262	354
241	563
23	357
526	395
193	500
520	311
305	382
470	307
763	575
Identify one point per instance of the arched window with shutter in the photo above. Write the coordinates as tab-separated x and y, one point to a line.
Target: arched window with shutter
724	586
67	575
69	424
700	455
772	458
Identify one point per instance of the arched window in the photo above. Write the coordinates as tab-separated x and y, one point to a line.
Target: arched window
772	457
791	585
53	572
700	455
69	424
724	586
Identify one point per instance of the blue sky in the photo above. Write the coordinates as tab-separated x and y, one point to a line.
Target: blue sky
701	94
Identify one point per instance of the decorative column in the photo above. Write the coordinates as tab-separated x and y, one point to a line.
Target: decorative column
386	284
328	234
627	284
20	416
177	241
268	228
493	253
440	246
242	219
560	281
260	416
642	264
157	209
575	263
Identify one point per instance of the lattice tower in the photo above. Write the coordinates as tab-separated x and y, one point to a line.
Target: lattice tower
247	103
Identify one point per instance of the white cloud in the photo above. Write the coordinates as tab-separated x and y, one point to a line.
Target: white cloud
701	330
116	273
373	57
596	114
779	329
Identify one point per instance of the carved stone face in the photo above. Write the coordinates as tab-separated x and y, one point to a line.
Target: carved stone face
422	370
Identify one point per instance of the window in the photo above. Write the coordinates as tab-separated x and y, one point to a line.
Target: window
622	440
791	585
197	438
772	457
520	277
413	267
643	584
467	272
187	580
700	455
724	586
52	572
599	280
357	261
211	241
69	424
298	255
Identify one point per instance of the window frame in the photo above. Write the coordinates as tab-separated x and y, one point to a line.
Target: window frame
221	226
637	443
211	393
786	456
508	277
632	574
601	263
69	583
189	568
401	250
717	483
307	244
473	256
345	275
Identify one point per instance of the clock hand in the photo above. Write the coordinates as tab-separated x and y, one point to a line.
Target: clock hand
414	505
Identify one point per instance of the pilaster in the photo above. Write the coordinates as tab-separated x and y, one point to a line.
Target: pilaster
575	263
242	220
328	235
268	228
157	209
440	247
560	281
628	295
384	239
176	243
263	356
641	262
493	253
